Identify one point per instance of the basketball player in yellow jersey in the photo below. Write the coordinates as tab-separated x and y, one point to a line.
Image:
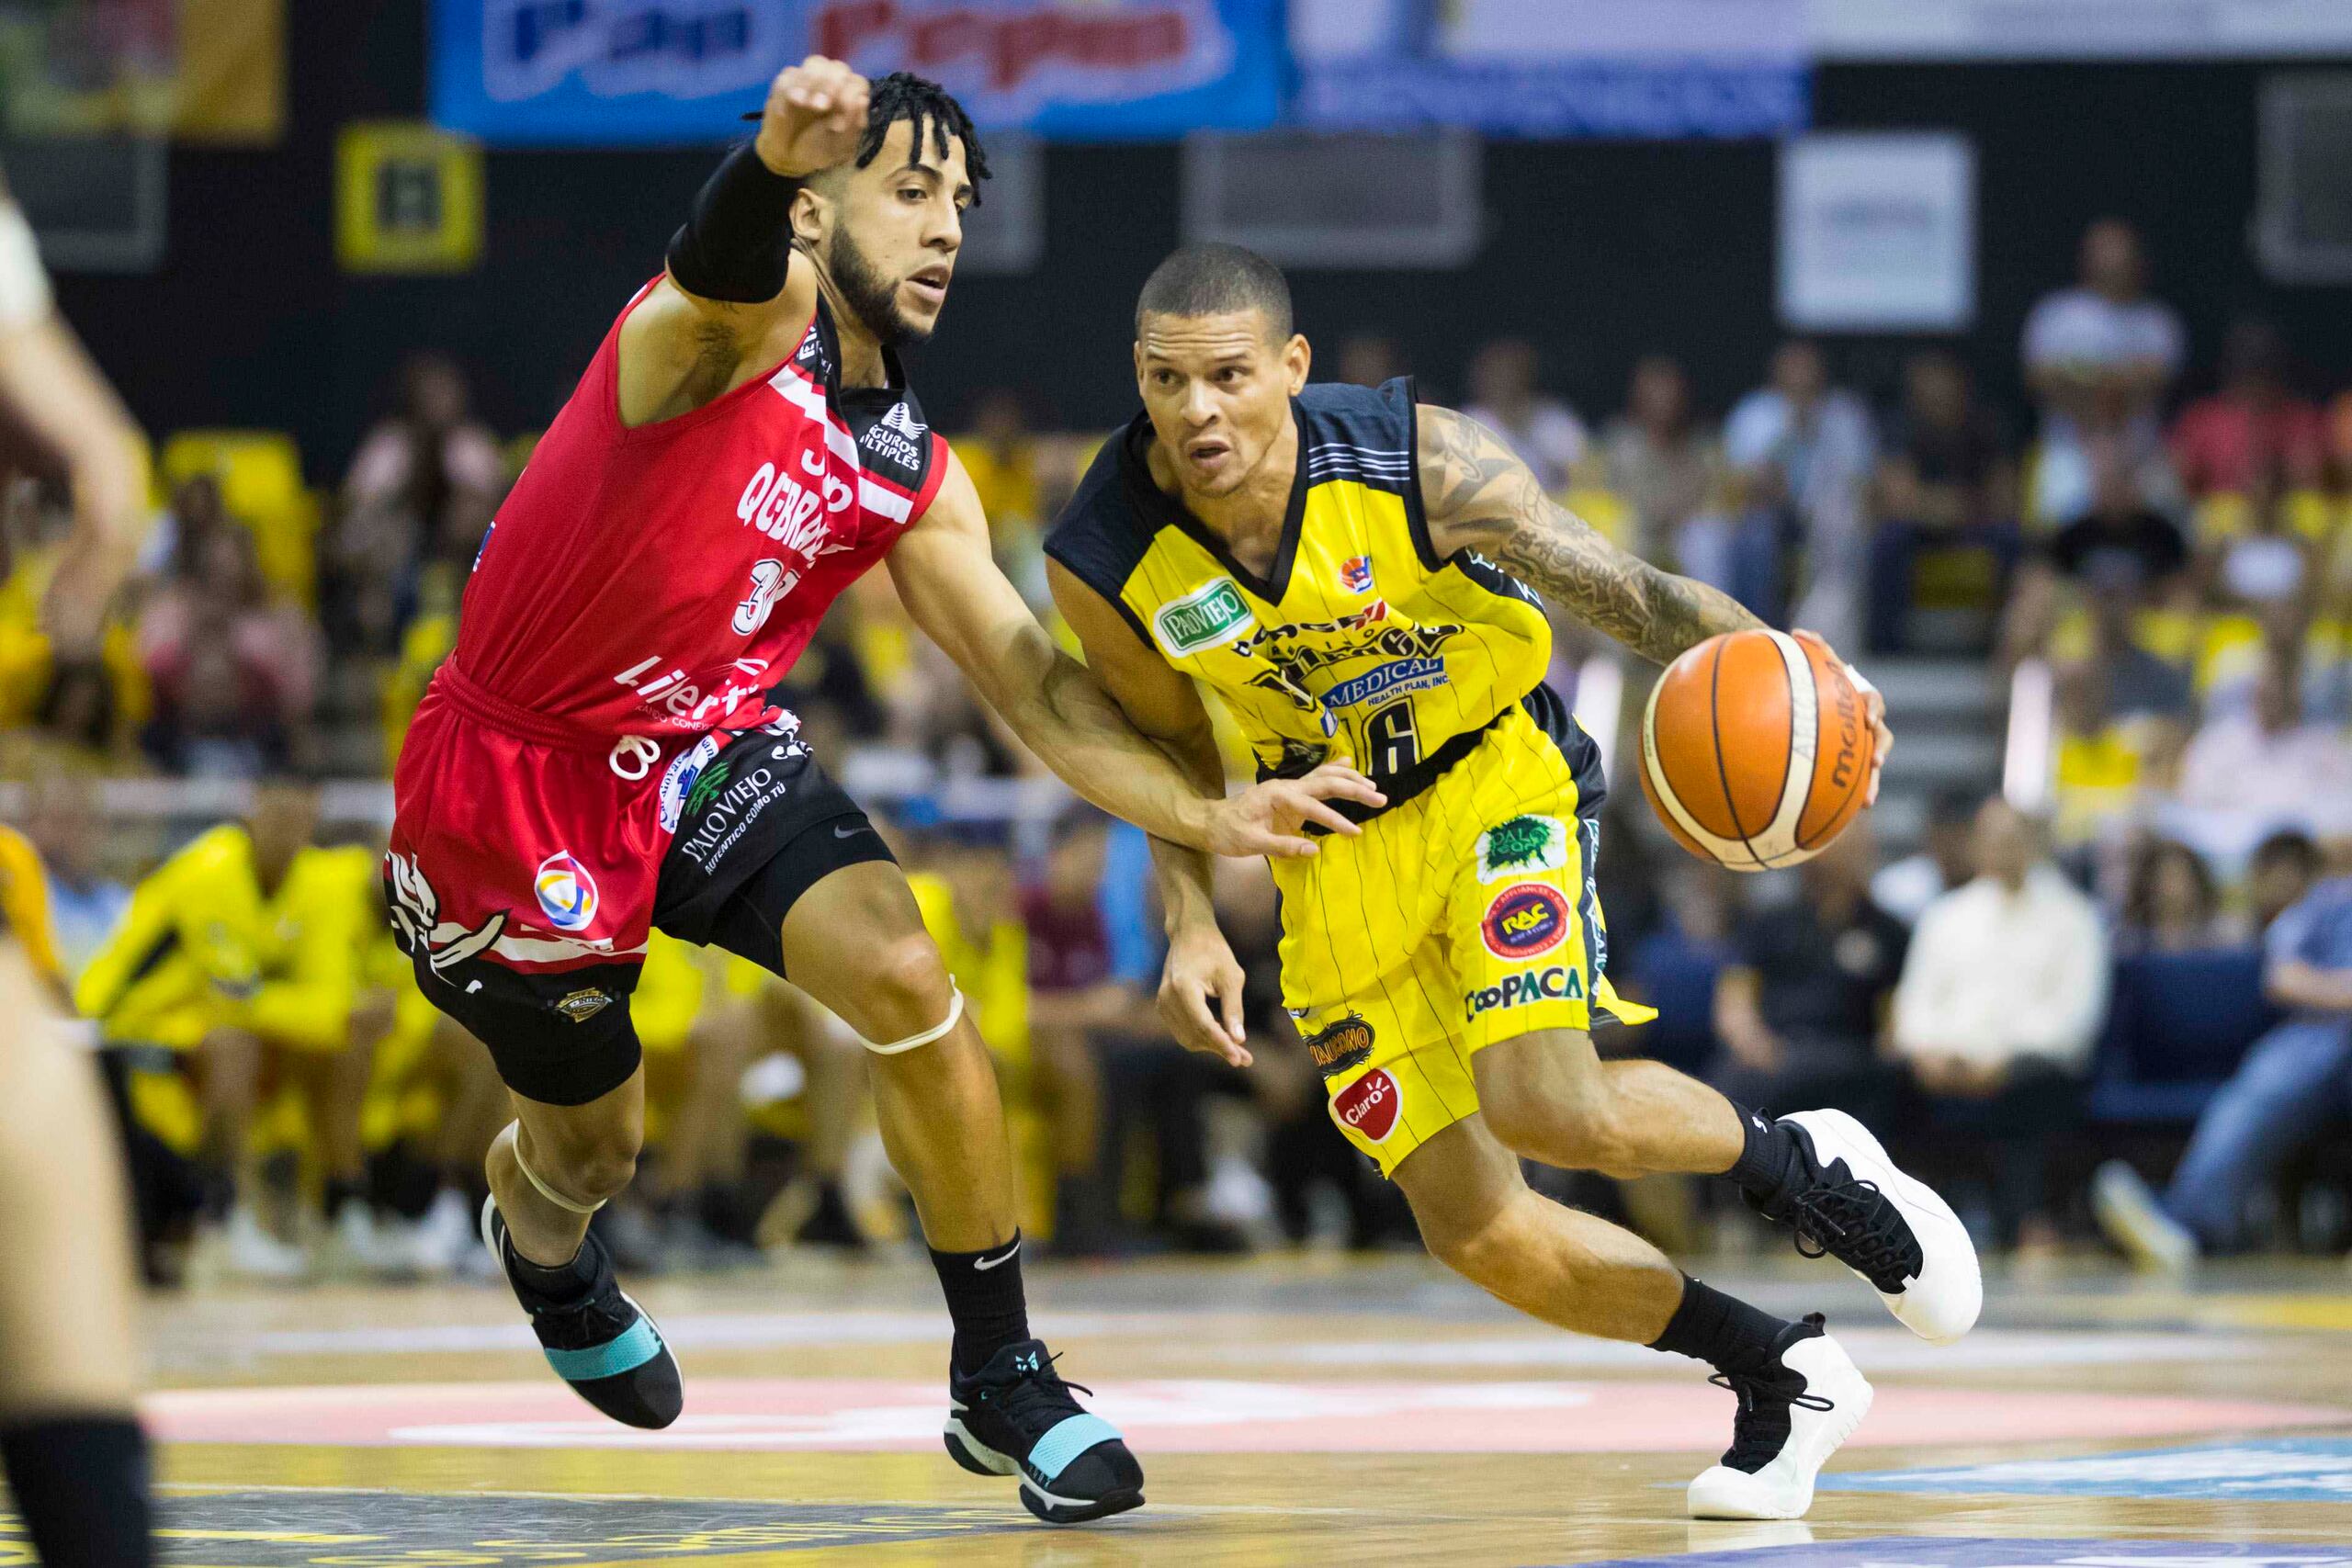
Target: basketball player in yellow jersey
1356	576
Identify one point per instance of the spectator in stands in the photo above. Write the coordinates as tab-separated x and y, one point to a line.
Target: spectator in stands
2291	1085
1074	997
1800	453
2099	357
2247	772
1367	359
2262	559
1800	1008
2286	630
1942	862
999	453
83	902
2141	687
2170	902
1505	398
2003	991
1668	466
2120	545
2104	766
2280	871
235	674
1948	483
422	486
2254	423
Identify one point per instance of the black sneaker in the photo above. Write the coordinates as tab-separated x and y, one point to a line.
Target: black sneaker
600	1342
1846	1199
1015	1416
1792	1415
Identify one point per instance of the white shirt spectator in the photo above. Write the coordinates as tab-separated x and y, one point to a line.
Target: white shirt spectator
1551	441
2084	329
1824	456
1995	975
2244	780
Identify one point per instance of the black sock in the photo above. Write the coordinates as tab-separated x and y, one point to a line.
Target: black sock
1724	1331
559	1282
987	1304
81	1486
1764	1159
338	1192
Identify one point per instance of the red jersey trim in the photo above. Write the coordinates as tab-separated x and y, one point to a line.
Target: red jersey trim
934	473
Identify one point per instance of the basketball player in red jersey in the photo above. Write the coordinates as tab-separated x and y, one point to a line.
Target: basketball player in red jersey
600	756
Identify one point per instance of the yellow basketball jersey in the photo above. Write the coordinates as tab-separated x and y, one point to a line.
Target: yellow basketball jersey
1361	643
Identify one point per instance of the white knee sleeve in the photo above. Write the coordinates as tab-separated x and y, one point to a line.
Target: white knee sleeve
954	1011
551	1195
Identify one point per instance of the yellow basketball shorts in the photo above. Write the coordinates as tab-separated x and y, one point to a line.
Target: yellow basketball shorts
1461	916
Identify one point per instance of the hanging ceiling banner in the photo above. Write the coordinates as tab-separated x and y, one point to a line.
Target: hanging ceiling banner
639	72
2077	29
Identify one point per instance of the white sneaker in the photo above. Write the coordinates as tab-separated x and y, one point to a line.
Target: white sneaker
1890	1231
1786	1429
368	1244
2135	1221
255	1254
444	1237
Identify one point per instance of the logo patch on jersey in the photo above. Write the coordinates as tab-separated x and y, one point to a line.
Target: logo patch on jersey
1520	846
770	583
1558	983
1369	1106
1202	618
1524	919
1385	680
897	436
1355	575
582	1005
680	781
567	893
416	918
1344	1046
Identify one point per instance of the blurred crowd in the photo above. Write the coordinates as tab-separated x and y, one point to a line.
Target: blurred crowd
2155	557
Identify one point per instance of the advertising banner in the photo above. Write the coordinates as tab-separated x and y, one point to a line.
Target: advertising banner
621	72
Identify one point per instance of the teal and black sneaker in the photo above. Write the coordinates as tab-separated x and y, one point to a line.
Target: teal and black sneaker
600	1342
1015	1416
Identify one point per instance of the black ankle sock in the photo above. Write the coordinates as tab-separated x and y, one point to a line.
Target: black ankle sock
336	1193
1723	1331
562	1282
1763	1162
81	1486
987	1304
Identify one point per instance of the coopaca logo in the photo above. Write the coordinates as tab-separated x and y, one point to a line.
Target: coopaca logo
1524	919
567	893
1368	1107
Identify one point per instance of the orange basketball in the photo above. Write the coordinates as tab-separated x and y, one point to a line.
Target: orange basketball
1755	750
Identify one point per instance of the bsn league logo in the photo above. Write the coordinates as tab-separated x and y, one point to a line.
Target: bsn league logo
567	893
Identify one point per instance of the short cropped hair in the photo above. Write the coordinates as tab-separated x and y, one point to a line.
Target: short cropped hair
1217	280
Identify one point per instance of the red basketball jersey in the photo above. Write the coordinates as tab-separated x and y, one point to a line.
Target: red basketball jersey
658	581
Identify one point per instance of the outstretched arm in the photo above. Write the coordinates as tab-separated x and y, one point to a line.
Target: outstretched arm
1480	497
956	593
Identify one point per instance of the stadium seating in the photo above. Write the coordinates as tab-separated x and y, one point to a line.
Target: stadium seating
2176	1029
260	475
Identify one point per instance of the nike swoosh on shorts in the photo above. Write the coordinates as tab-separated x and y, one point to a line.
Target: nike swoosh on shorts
840	832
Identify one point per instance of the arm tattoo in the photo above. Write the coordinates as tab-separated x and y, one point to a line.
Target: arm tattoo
1479	496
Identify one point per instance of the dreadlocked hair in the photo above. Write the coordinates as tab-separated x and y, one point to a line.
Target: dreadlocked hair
905	95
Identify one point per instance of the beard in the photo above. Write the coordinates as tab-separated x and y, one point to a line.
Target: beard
873	298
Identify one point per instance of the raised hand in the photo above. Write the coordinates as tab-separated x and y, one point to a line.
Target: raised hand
814	119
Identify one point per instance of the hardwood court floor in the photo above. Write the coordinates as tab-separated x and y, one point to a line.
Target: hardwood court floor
1301	1410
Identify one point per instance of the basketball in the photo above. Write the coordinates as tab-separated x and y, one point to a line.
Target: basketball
1756	752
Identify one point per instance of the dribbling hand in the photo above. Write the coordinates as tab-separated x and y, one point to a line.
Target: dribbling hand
1267	818
814	118
1873	709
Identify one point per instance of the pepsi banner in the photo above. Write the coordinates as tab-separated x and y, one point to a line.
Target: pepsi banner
640	73
1649	69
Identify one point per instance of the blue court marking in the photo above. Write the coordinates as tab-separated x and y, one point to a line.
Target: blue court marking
2260	1470
1973	1551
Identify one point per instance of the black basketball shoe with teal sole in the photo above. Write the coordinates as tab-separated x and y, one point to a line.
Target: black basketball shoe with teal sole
1015	1416
600	1342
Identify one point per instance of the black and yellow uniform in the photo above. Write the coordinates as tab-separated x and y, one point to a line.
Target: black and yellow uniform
1465	913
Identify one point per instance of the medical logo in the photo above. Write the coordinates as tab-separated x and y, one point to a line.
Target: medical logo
770	583
685	771
1203	618
1344	1047
1355	575
1386	680
567	893
1368	1107
582	1005
1555	983
1524	919
1521	846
